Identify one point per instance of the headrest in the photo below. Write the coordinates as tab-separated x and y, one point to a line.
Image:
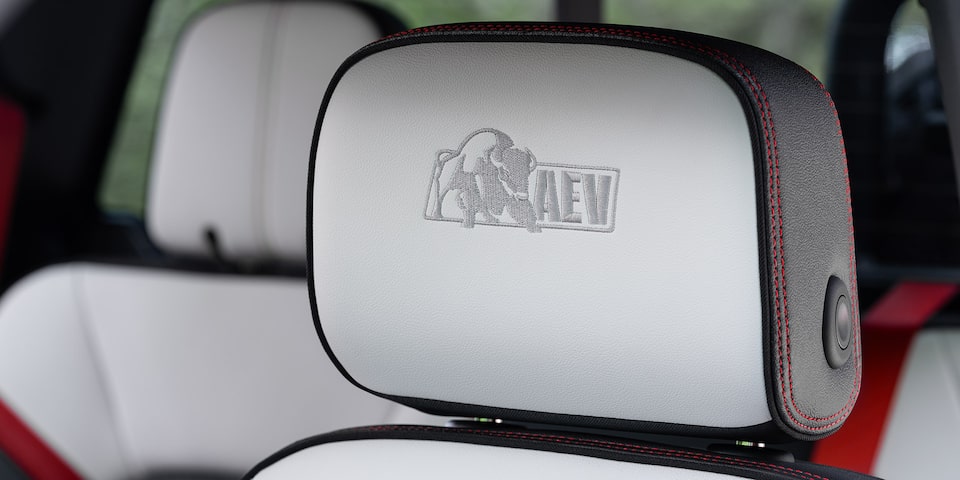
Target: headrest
608	227
233	141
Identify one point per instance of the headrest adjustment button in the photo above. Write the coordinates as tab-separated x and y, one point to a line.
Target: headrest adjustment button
837	323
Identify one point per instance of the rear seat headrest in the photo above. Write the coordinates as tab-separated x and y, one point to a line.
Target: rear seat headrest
234	133
617	228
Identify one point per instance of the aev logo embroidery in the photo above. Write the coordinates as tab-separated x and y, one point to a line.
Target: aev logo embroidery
487	181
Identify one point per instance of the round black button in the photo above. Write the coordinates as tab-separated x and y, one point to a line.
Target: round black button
837	323
844	323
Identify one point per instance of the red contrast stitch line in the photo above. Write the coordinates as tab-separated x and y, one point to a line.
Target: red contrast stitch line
779	280
853	261
774	193
612	445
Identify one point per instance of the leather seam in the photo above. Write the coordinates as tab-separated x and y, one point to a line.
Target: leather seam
77	280
265	80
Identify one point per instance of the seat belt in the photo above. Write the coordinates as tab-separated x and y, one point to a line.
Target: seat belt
29	452
887	330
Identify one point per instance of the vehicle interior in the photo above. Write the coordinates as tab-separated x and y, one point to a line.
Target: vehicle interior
264	239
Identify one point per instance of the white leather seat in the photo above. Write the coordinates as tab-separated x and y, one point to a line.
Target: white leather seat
909	415
128	371
920	437
586	233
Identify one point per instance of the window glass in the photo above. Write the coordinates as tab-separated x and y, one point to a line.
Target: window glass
910	34
417	13
795	29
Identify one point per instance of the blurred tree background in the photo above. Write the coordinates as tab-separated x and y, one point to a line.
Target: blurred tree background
796	29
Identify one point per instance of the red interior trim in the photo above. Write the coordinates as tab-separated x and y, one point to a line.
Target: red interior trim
888	331
29	452
12	130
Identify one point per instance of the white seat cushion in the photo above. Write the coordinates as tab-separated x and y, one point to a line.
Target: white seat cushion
922	435
233	139
127	370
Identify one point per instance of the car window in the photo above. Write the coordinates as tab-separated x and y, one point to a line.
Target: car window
795	29
910	34
418	13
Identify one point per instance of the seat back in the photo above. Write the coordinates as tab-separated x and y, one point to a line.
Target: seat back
128	371
233	142
925	405
576	231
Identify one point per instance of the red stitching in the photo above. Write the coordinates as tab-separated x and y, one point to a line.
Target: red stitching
774	193
779	280
612	445
852	263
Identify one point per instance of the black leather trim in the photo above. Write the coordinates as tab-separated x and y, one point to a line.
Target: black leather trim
583	445
812	399
814	240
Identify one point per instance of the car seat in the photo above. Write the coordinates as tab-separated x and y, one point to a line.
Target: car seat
578	234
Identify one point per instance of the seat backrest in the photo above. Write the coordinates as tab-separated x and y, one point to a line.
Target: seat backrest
127	371
926	406
576	231
233	141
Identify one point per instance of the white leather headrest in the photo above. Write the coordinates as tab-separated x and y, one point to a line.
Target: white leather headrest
611	228
234	134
